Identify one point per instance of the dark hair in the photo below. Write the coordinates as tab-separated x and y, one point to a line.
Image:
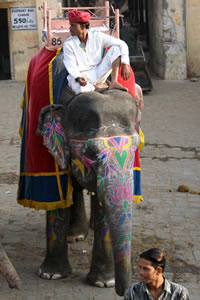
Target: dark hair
87	24
156	256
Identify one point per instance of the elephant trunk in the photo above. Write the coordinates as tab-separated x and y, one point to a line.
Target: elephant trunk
118	197
115	190
8	271
120	225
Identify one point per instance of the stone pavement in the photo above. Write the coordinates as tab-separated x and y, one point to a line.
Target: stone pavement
170	220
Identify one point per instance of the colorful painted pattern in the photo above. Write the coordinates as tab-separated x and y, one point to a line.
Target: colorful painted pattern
114	168
52	234
54	140
82	163
116	183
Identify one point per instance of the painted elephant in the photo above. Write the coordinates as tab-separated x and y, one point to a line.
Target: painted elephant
95	133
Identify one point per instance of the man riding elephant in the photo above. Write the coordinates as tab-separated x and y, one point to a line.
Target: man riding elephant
83	56
43	185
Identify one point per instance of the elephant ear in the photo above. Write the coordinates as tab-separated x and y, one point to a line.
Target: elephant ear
51	129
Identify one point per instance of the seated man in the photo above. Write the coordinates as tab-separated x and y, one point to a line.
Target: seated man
153	284
83	56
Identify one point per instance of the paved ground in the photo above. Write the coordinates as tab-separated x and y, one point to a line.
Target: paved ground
169	220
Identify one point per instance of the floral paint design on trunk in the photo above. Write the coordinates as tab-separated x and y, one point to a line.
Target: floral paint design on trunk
114	169
116	184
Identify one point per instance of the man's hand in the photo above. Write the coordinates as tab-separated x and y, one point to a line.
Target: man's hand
82	81
125	71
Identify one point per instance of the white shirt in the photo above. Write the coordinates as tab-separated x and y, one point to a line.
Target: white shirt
77	61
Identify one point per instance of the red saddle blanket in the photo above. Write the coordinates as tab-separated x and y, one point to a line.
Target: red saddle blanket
42	185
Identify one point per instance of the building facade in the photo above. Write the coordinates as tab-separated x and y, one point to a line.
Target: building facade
21	33
173	35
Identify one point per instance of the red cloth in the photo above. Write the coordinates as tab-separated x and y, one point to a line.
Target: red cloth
37	157
129	83
76	16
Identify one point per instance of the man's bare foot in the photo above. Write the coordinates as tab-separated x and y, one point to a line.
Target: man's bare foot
101	85
118	86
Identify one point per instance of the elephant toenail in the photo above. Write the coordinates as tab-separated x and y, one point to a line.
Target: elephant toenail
80	238
56	276
99	284
45	276
110	283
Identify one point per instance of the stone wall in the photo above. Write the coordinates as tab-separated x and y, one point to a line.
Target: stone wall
193	37
168	38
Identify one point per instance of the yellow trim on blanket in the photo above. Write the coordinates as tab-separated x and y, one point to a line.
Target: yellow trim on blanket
57	172
51	77
53	205
137	169
141	134
137	199
22	102
20	130
45	205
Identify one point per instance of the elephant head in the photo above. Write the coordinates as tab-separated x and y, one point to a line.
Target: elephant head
96	134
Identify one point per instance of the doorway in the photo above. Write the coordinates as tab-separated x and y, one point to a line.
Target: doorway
5	72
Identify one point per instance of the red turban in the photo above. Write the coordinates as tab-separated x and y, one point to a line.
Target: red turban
76	16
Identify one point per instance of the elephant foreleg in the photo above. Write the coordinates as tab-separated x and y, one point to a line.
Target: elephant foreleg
101	271
56	264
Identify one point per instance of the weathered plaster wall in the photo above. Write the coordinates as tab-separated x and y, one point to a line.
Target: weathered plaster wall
38	3
193	37
157	62
24	43
168	38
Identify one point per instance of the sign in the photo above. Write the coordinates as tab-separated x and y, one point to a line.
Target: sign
23	18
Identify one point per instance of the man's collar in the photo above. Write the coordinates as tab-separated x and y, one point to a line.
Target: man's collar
167	288
77	38
143	288
89	34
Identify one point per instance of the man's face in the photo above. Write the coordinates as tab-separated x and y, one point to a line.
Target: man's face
75	29
147	272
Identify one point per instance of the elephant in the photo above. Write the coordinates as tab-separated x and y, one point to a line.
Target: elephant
95	133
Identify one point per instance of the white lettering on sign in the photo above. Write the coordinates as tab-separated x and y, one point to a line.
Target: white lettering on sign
23	18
